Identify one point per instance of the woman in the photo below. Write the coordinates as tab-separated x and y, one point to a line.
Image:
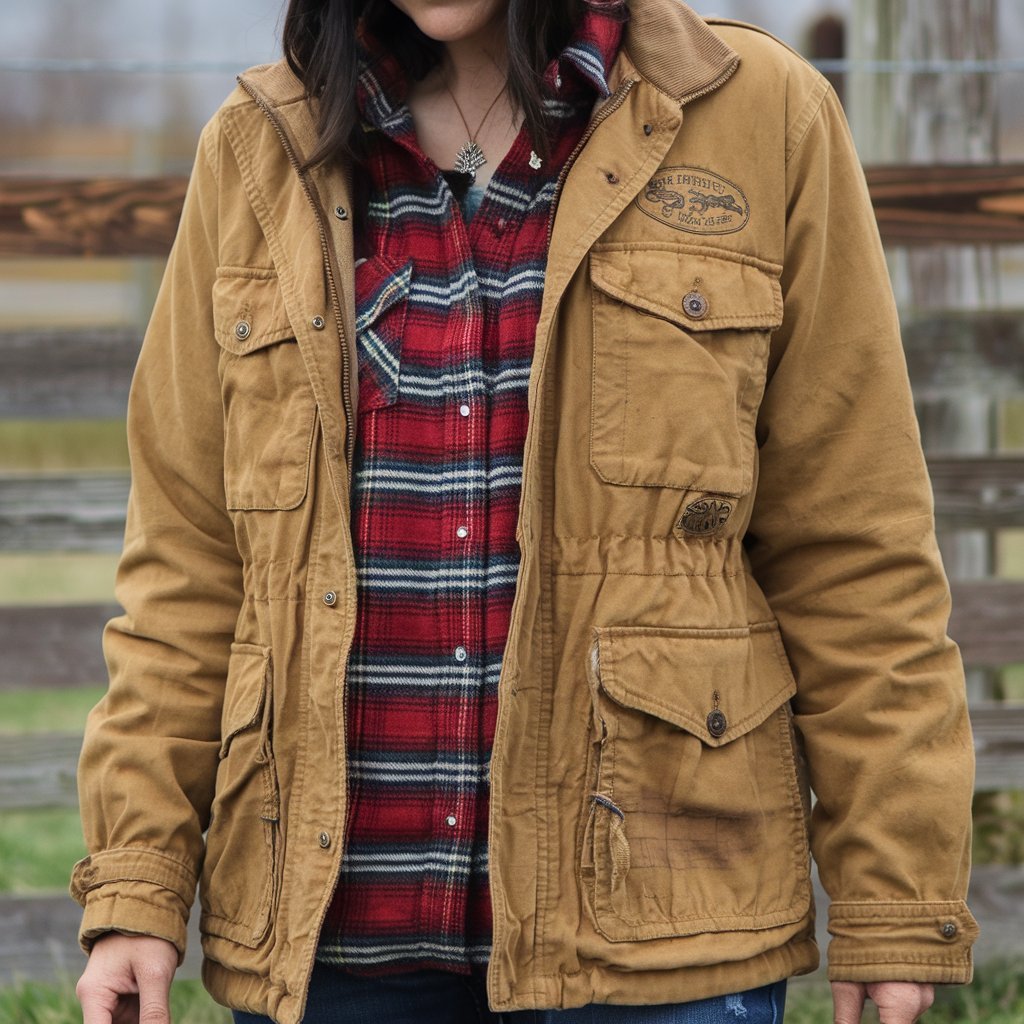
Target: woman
527	510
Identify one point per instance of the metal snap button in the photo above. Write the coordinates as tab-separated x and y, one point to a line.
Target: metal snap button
341	213
330	598
325	840
319	323
949	930
717	724
695	305
242	330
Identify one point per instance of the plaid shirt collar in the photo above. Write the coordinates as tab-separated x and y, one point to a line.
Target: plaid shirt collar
583	68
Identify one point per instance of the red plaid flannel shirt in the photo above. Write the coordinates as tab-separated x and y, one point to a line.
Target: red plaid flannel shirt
446	317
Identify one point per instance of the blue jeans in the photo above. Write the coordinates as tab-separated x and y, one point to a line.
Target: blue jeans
439	997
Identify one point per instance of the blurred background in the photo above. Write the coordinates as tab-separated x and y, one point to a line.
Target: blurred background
101	106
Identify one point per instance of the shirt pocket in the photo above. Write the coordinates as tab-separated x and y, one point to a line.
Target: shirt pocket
382	299
269	406
695	820
680	356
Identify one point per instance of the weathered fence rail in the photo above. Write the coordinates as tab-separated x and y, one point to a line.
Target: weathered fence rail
915	205
39	770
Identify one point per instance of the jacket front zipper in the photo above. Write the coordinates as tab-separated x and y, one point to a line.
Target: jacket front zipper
349	413
346	398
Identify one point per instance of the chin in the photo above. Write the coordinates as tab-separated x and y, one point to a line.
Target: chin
448	21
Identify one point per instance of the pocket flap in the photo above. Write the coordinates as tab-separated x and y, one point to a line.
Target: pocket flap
248	311
380	283
717	684
721	289
382	287
245	692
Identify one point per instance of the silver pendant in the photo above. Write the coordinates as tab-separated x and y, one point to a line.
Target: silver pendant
469	159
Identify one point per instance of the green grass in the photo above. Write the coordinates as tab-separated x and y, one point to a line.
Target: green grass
56	445
32	711
56	579
32	1003
38	848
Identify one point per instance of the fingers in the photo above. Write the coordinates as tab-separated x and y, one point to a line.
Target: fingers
98	1004
901	1002
848	1001
154	980
127	981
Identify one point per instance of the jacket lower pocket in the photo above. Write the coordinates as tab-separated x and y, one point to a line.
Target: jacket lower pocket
238	882
695	821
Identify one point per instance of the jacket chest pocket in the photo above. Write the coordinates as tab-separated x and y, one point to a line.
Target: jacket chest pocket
680	356
269	408
695	818
382	298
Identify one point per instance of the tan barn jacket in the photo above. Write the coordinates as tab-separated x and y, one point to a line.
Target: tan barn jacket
729	588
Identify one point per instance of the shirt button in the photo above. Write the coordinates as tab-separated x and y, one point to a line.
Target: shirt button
325	840
558	81
451	821
463	410
330	599
462	532
461	654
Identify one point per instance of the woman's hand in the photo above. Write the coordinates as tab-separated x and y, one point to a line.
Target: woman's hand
127	980
898	1002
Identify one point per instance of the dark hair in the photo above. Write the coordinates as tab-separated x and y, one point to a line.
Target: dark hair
320	41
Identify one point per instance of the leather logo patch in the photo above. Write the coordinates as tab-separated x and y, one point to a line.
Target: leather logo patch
694	200
705	517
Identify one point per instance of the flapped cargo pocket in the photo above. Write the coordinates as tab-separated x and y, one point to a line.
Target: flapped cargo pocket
237	889
269	407
382	294
681	336
694	821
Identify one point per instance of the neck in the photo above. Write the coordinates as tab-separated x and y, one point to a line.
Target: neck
478	60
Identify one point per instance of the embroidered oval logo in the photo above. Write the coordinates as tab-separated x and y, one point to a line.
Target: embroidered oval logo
694	200
705	517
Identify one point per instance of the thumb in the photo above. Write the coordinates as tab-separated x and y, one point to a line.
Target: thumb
848	1000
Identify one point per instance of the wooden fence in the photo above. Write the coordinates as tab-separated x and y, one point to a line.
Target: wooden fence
58	647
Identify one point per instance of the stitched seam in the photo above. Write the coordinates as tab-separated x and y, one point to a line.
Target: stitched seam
810	111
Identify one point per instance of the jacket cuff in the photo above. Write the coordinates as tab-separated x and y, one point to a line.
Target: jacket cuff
926	942
134	891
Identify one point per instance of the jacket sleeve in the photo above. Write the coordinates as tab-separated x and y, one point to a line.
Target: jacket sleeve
842	542
149	759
